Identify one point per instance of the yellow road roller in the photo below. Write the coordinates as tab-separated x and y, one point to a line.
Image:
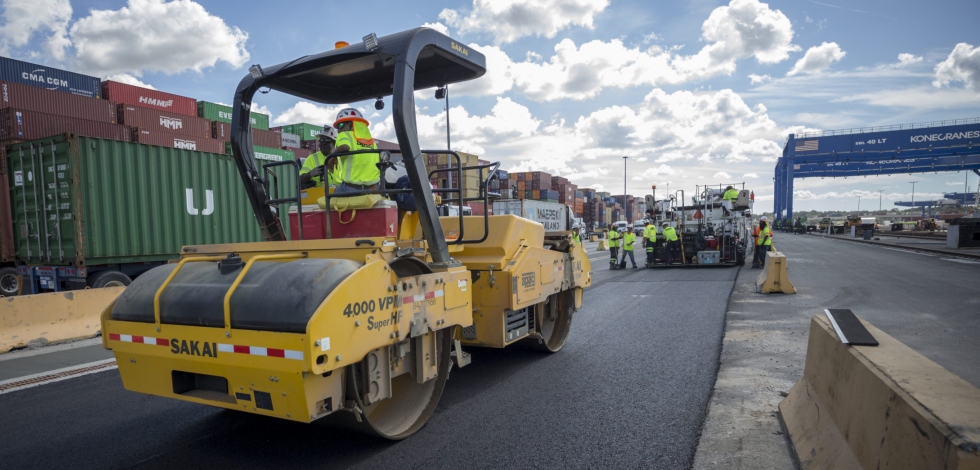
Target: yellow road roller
368	324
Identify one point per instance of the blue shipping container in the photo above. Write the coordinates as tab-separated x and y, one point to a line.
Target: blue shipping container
13	70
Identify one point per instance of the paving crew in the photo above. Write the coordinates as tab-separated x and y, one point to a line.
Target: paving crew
672	241
649	239
628	239
731	194
358	172
311	174
613	248
763	243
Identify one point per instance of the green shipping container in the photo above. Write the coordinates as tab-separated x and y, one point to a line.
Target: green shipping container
80	201
303	130
267	153
222	113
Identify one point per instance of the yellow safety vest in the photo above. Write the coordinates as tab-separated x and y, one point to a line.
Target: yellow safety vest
315	160
628	240
361	168
730	195
650	233
763	235
613	239
576	238
670	234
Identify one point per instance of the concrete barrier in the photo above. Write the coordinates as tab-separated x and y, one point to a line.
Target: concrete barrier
603	245
774	277
52	318
877	407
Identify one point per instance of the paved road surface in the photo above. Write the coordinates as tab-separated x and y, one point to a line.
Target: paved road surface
629	390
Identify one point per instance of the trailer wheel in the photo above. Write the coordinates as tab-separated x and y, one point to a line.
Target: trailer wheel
9	282
109	279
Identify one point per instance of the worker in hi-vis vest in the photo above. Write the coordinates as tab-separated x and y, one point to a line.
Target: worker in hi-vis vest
358	172
628	239
731	194
671	235
311	174
649	239
613	248
763	243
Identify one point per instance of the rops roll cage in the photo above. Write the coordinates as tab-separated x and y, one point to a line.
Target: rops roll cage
485	195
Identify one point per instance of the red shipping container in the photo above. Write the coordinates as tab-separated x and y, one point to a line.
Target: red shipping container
154	119
271	139
19	124
138	96
363	223
169	139
299	153
30	98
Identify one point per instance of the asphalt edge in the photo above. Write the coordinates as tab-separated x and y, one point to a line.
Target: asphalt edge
903	248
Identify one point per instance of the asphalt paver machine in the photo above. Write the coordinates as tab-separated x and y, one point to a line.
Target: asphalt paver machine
366	327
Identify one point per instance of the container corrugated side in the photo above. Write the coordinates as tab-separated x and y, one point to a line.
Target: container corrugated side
304	130
126	202
222	113
6	221
552	215
222	132
122	93
16	95
154	119
266	153
19	124
179	141
49	78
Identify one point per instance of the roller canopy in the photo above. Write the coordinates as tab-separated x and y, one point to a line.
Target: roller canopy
353	73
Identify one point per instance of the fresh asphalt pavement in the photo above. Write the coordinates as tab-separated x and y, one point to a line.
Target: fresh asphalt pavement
629	390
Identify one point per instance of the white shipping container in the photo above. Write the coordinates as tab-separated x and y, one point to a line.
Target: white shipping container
290	140
553	216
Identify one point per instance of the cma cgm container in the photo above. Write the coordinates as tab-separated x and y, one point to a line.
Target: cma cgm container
179	141
120	208
19	124
154	119
122	93
221	113
49	78
15	95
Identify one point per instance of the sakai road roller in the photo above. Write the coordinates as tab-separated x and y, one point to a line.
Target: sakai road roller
370	325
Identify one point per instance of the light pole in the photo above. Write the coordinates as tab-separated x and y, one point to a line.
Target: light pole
859	203
913	195
624	186
879	199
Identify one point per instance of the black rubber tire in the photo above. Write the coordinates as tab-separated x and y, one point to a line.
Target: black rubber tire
9	282
108	279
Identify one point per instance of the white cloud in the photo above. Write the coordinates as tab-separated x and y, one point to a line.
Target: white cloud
750	176
954	183
129	80
962	65
722	175
495	82
509	20
758	79
156	36
257	108
25	18
817	59
661	170
311	113
920	98
438	27
905	59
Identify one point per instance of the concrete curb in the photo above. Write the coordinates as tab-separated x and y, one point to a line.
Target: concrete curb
51	318
879	407
774	276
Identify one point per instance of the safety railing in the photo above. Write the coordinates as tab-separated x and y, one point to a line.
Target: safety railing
894	127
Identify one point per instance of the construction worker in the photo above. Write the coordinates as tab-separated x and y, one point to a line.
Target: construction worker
613	248
311	174
649	239
358	172
755	242
731	194
763	243
671	235
628	239
576	236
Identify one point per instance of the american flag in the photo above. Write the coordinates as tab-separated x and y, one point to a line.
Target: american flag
807	145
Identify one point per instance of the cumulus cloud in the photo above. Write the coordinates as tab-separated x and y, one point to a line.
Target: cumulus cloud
663	169
722	175
817	59
312	113
509	20
750	176
156	36
905	59
496	81
962	65
24	19
438	27
129	80
758	79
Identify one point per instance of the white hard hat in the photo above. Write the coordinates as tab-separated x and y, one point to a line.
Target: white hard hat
349	114
763	219
329	133
664	224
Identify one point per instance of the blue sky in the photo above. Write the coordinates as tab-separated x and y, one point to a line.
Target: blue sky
696	92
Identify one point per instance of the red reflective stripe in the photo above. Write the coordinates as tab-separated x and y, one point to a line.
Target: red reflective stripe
275	352
113	336
163	342
137	339
241	349
430	295
408	300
